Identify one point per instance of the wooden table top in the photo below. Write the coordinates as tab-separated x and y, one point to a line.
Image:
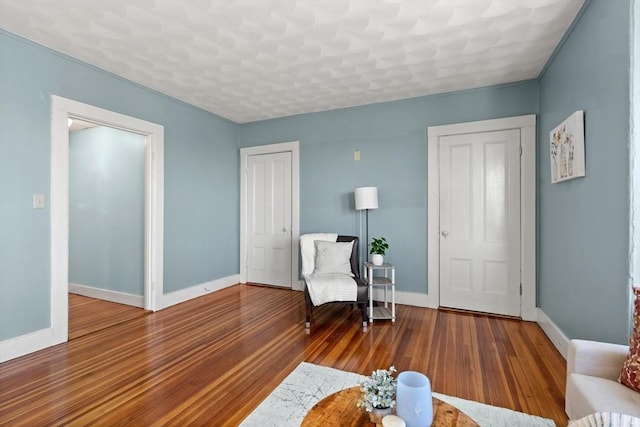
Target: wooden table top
340	409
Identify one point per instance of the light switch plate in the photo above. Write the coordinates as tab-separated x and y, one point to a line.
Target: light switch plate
38	201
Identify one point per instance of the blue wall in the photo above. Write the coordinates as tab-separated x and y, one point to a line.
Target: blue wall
201	179
583	232
392	141
582	224
106	209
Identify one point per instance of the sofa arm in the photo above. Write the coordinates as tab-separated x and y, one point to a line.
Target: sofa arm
596	359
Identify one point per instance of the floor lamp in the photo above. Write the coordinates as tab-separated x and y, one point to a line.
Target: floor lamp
366	198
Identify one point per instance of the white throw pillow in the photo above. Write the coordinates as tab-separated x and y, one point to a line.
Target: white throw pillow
333	257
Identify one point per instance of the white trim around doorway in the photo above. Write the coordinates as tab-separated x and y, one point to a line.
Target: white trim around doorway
294	148
61	110
527	126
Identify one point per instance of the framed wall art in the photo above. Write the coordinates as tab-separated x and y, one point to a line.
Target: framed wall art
567	148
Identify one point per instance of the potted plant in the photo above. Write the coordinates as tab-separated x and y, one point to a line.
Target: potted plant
379	247
379	393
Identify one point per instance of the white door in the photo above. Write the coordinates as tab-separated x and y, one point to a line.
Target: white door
480	222
269	219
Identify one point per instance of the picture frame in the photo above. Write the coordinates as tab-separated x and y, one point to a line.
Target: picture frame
566	148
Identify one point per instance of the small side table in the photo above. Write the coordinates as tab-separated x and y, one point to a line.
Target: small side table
388	279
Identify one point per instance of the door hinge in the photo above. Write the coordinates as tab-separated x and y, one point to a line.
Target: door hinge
520	288
521	150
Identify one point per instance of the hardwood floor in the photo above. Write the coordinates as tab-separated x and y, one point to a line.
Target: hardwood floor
212	360
88	315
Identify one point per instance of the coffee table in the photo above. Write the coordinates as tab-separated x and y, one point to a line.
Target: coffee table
340	409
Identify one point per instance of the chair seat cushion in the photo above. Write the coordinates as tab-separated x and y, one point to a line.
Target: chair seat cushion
324	288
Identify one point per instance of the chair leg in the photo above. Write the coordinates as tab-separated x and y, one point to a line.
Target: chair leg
308	317
363	309
309	305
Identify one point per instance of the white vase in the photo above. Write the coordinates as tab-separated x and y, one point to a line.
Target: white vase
413	399
377	259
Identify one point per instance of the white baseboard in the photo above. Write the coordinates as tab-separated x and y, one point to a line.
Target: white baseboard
107	295
173	298
557	337
19	346
406	298
25	344
38	340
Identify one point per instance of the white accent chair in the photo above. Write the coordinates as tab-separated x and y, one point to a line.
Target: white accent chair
593	369
362	293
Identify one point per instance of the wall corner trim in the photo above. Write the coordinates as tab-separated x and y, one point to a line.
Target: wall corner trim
557	337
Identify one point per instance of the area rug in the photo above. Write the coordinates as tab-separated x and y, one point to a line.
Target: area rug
288	404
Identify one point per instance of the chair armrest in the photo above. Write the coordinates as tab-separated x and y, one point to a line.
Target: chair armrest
361	282
596	359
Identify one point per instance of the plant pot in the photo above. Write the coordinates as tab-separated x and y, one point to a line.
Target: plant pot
377	414
377	259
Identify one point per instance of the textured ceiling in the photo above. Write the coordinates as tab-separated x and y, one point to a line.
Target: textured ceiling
255	60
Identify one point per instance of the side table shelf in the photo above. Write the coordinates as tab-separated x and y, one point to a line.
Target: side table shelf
388	279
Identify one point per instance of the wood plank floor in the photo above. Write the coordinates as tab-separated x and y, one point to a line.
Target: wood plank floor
212	360
88	315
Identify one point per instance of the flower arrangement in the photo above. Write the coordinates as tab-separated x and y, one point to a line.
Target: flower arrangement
379	390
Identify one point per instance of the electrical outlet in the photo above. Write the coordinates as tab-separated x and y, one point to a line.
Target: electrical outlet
38	201
356	155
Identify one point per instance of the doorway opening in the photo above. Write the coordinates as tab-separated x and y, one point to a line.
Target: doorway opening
106	226
62	110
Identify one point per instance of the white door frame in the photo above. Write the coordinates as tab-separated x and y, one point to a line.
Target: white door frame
294	148
527	126
61	109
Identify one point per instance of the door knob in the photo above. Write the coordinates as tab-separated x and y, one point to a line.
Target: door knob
444	234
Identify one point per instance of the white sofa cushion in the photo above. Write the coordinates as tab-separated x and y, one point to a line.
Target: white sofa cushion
594	394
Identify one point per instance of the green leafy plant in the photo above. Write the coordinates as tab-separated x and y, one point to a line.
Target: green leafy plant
379	390
379	246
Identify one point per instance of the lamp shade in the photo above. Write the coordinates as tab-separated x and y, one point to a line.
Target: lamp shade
366	198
